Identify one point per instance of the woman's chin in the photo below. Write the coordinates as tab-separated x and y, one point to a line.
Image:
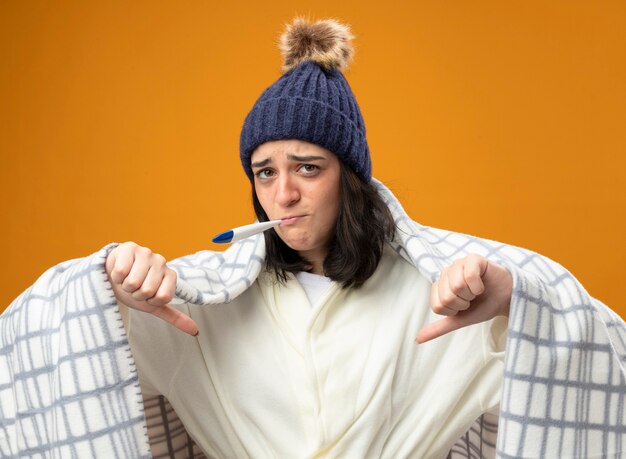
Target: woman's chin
302	243
299	245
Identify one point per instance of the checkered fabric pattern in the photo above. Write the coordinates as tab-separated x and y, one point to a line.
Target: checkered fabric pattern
479	441
68	385
168	437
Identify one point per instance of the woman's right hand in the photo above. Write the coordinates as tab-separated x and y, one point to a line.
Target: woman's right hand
141	280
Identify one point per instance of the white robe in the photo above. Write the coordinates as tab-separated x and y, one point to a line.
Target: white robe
270	377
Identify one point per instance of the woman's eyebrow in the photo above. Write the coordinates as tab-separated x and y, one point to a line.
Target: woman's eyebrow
305	158
265	162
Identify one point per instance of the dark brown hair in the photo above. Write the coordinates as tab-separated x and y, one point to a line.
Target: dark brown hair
363	225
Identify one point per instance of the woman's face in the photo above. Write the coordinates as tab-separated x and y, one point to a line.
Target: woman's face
300	182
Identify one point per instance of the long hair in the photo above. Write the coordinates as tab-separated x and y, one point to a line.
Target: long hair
364	224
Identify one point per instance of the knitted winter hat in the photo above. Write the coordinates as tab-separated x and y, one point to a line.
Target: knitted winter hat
312	101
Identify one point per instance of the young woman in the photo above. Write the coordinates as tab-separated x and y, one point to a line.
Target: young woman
301	342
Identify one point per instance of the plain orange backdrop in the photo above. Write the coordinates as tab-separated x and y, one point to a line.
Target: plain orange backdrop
120	121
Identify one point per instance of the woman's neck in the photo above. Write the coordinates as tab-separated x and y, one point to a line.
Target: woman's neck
316	259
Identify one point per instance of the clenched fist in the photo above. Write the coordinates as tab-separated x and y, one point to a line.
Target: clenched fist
469	291
141	280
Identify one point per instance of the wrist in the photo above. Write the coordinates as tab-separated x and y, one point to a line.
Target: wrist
507	291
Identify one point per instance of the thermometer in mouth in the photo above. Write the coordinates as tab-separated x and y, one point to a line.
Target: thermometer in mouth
245	231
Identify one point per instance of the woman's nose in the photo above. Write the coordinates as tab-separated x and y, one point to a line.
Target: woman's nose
287	193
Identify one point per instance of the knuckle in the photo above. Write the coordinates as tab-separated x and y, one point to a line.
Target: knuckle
447	297
163	296
457	286
437	308
120	271
130	285
129	245
145	251
147	291
443	311
154	302
169	276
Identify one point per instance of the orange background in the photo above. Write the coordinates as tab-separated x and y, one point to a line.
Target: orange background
120	121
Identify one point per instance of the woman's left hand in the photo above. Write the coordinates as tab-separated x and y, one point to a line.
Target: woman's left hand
469	291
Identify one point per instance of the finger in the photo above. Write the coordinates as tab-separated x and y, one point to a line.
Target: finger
122	263
458	284
435	303
139	270
447	298
473	270
150	284
177	319
439	328
166	291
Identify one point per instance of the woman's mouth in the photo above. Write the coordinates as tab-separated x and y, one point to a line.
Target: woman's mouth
290	220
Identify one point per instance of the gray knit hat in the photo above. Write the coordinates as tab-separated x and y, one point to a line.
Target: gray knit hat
312	101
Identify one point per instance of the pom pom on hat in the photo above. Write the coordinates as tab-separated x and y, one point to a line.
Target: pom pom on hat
326	42
312	101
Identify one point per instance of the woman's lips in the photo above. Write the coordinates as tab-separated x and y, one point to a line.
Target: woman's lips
290	220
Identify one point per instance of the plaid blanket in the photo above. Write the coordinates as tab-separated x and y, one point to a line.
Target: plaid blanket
69	386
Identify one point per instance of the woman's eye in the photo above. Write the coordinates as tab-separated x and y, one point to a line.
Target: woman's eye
264	173
309	169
